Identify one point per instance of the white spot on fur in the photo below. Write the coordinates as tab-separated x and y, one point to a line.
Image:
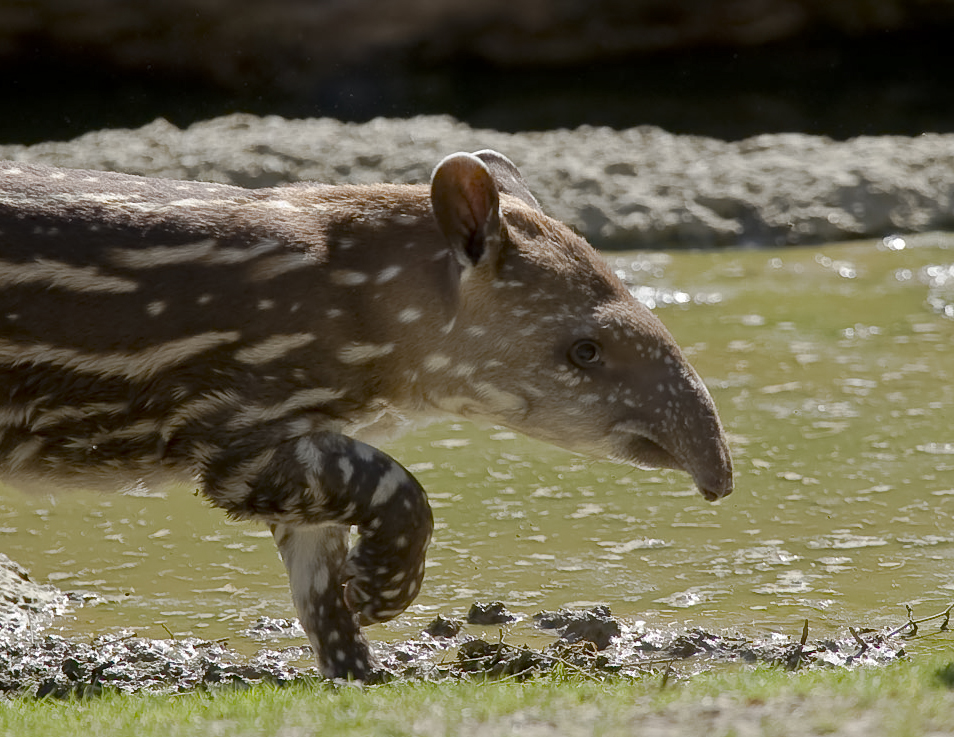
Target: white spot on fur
464	370
499	401
364	352
206	251
250	415
156	308
387	274
308	454
409	314
348	277
273	266
140	365
64	276
388	486
436	362
273	348
347	470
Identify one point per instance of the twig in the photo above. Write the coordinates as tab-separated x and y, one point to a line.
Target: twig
568	664
913	623
797	656
860	641
666	674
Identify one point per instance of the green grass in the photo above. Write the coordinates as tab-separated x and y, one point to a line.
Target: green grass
902	700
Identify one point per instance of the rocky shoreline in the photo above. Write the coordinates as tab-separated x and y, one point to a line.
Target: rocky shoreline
641	188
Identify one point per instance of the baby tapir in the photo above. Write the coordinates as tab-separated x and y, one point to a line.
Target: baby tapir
253	339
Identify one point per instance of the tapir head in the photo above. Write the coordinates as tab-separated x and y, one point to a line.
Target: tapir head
553	344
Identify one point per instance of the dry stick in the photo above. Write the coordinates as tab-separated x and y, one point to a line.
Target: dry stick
666	674
913	623
860	641
801	647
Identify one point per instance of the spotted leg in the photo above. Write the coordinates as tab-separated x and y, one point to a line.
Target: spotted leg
310	489
314	557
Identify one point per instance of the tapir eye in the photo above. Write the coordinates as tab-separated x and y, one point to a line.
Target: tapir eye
586	354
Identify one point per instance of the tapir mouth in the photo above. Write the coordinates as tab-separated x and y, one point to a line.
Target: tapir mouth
714	480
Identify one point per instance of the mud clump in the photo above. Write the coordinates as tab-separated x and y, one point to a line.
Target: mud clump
499	660
590	625
442	627
493	613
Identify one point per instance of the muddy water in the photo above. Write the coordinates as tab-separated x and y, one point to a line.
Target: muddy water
833	369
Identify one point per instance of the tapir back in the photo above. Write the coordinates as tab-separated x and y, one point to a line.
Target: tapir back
139	317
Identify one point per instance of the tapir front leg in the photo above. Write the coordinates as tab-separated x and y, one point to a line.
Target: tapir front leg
314	557
310	489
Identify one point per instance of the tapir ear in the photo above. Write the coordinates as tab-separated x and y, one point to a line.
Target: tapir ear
508	178
467	208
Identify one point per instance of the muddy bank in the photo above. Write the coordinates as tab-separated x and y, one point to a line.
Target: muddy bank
49	665
636	188
589	643
586	643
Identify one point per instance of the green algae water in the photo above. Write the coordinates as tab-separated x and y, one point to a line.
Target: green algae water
833	370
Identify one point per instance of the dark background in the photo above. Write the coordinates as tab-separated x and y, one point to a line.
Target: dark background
723	69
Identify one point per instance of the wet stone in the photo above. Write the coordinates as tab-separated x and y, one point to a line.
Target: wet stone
493	613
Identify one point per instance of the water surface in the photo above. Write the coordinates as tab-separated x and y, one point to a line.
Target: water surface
832	368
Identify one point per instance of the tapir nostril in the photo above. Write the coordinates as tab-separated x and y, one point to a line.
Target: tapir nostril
715	482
